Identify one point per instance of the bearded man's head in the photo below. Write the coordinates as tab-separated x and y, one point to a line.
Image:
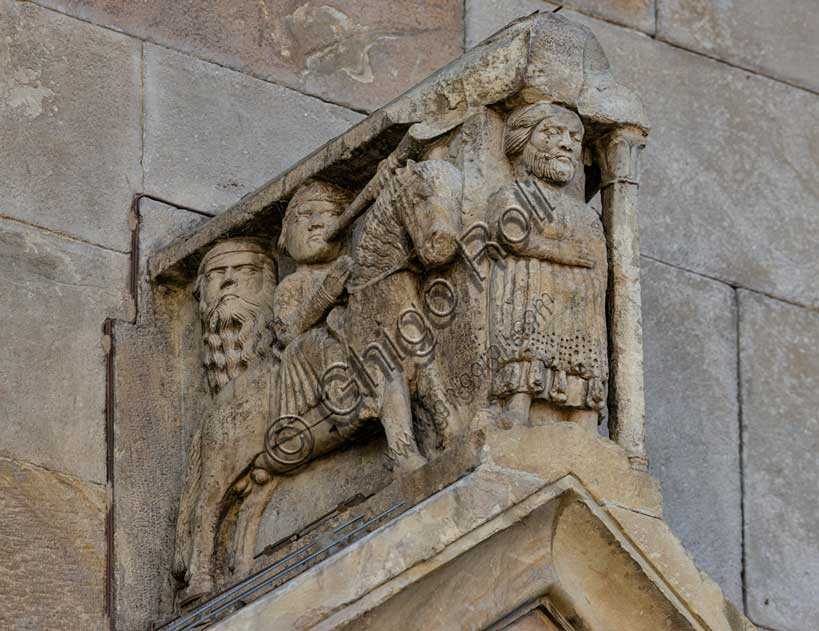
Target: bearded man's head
234	288
549	138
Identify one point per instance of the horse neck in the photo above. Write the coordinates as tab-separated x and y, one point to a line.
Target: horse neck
383	243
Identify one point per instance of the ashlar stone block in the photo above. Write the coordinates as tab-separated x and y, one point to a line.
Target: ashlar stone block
780	39
212	134
150	454
70	135
346	52
57	294
484	17
729	175
52	550
692	415
780	422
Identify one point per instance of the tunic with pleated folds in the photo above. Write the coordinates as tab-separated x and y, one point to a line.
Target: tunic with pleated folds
547	317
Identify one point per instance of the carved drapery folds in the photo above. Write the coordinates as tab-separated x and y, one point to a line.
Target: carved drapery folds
442	271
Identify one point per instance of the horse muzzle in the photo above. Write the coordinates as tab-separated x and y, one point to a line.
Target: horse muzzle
439	248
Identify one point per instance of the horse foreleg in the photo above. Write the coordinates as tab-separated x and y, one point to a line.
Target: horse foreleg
247	523
208	515
396	417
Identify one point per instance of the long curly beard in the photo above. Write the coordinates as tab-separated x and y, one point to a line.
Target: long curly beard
236	331
547	166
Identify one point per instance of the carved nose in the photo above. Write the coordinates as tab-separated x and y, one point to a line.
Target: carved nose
228	280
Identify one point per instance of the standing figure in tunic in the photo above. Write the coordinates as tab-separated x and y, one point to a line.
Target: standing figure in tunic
548	294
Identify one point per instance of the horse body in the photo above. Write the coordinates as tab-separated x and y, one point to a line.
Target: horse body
413	225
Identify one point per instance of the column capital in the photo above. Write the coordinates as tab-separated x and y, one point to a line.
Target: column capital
618	154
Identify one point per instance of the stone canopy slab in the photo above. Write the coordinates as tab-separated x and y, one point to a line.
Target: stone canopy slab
543	56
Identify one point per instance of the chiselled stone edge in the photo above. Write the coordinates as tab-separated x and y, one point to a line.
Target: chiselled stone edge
494	70
517	494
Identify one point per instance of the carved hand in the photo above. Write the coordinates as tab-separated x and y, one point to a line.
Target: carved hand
565	253
577	254
336	278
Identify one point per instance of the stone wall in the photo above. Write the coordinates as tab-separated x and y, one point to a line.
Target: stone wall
196	104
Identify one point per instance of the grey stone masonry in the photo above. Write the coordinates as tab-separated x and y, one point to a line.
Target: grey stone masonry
150	448
70	138
729	187
57	293
692	415
212	134
352	52
780	39
484	17
779	363
52	550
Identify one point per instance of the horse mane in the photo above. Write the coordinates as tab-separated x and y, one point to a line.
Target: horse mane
383	242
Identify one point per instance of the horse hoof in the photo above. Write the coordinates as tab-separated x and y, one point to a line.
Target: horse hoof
195	592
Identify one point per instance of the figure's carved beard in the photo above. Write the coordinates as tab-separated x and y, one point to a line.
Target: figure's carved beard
236	332
548	166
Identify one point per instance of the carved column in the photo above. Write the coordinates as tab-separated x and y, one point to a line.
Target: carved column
618	154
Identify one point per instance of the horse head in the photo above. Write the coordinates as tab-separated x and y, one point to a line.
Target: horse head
431	196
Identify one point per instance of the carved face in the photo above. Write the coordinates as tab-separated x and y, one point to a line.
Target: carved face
233	275
553	151
307	233
235	290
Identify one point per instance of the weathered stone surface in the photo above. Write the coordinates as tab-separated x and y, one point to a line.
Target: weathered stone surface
692	418
779	364
151	439
57	294
347	52
489	543
710	200
70	137
574	73
776	38
484	17
597	462
52	550
212	134
654	538
161	225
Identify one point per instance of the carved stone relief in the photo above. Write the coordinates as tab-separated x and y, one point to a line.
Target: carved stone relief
396	295
433	278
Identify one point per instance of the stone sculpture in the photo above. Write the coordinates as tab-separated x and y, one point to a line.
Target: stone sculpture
387	308
416	398
234	287
548	294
